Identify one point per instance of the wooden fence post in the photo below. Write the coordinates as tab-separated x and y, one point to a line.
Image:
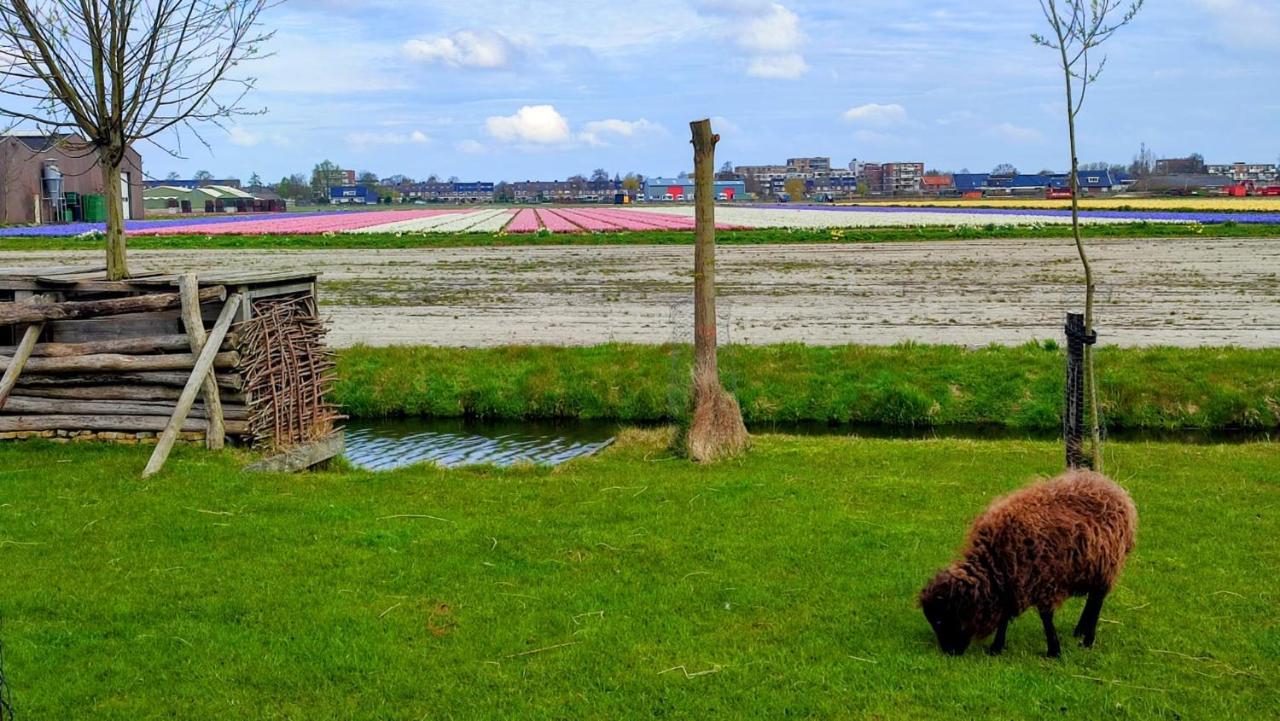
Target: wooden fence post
204	364
216	435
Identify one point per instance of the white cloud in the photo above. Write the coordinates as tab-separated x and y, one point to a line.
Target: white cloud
1016	133
471	147
600	132
367	139
532	124
463	49
876	115
1253	24
244	138
785	67
767	33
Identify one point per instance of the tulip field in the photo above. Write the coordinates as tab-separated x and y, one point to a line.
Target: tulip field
607	219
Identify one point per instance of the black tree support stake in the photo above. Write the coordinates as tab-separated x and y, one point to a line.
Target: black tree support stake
1073	412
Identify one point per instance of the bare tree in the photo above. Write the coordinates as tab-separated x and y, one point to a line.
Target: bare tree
716	430
1077	28
123	71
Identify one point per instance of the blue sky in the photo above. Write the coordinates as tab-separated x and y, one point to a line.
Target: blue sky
549	88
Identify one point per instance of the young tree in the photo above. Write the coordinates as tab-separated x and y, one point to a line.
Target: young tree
203	177
255	180
119	72
795	188
1077	27
172	176
1005	169
717	430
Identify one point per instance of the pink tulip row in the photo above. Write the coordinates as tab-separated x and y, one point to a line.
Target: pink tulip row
596	220
285	225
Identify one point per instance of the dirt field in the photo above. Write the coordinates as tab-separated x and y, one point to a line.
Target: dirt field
1157	292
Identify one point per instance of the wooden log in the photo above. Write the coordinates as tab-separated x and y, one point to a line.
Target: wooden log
12	424
204	364
303	456
189	289
30	405
120	362
122	393
11	313
226	381
15	365
174	343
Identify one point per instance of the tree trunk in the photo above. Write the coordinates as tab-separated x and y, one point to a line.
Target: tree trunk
716	430
117	265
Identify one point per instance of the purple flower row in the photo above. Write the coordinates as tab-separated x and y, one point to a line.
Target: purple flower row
69	229
1152	215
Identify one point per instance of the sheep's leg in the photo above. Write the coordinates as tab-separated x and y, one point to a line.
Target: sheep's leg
997	645
1088	625
1050	633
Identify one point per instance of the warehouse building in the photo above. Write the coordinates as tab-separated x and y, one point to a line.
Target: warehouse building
46	178
681	189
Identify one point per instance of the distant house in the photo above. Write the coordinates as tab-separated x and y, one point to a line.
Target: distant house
937	184
26	159
1090	181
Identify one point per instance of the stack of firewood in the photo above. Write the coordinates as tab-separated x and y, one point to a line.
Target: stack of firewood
115	388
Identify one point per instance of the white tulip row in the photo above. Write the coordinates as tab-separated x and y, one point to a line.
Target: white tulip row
810	218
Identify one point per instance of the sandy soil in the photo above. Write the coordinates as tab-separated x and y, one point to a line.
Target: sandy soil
1152	292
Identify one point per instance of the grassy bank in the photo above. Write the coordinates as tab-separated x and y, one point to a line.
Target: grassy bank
1018	387
732	237
631	584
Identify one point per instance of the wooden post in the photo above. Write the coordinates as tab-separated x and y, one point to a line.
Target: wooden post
20	356
189	289
203	365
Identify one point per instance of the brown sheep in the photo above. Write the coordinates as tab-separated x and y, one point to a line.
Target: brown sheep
1067	536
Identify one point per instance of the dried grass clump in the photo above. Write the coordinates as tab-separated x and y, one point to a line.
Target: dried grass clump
717	430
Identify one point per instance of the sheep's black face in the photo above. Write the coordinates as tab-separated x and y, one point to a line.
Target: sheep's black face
948	609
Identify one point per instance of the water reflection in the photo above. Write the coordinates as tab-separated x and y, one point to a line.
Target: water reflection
451	442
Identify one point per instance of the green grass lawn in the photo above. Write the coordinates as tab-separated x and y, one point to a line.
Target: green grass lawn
724	237
630	585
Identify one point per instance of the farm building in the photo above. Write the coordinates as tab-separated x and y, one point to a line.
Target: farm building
1091	181
192	183
43	178
358	194
682	189
161	198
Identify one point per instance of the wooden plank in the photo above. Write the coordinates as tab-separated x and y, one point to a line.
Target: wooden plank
131	346
132	325
256	277
111	422
204	364
304	456
29	405
226	381
50	270
11	313
189	289
168	394
119	362
270	291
